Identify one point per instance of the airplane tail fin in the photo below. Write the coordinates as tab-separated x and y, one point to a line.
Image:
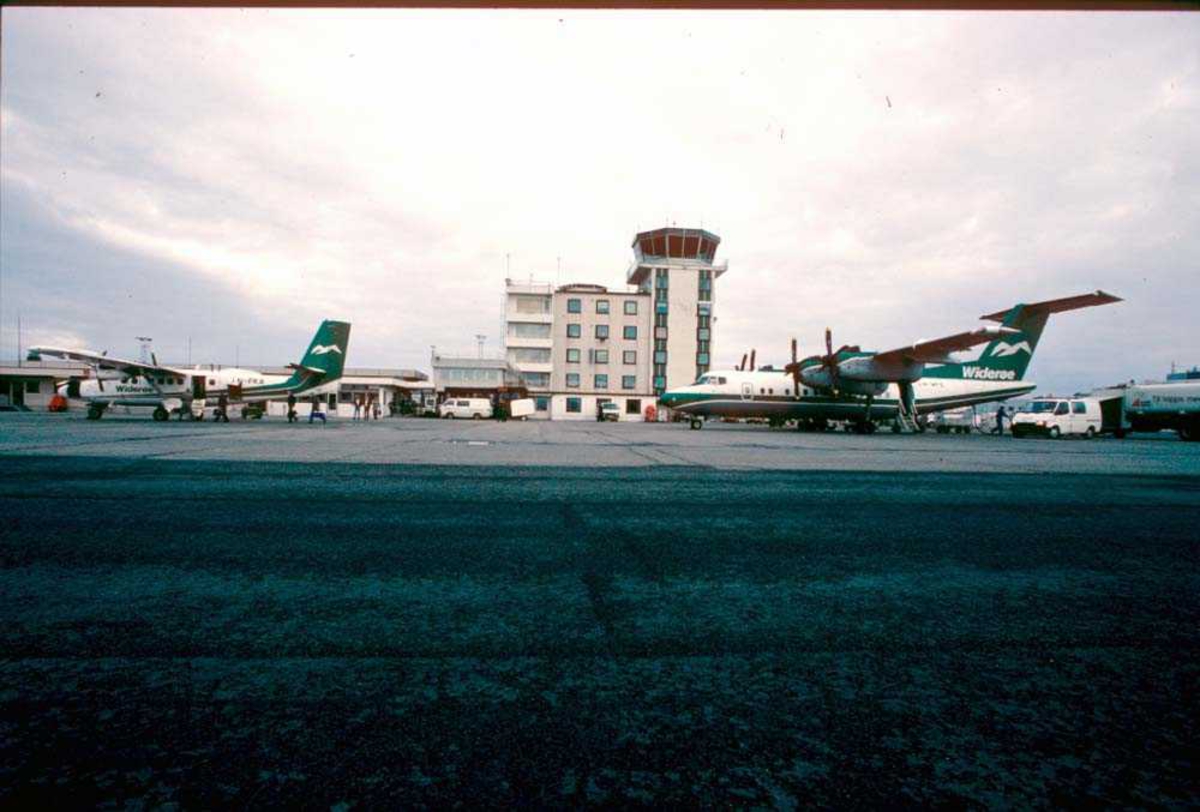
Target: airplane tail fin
1009	356
327	351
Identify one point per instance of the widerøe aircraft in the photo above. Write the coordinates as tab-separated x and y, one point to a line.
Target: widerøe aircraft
118	381
862	387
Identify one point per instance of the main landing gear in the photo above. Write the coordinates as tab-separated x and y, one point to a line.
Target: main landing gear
161	414
696	424
95	411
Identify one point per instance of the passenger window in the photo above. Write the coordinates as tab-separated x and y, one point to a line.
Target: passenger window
1062	408
1079	408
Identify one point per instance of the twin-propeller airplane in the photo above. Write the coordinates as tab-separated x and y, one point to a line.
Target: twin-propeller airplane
180	390
899	384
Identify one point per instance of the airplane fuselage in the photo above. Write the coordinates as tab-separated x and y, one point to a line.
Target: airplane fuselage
770	394
172	390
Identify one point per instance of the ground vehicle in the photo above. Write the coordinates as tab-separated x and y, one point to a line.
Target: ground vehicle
954	421
466	408
1057	417
1154	407
521	408
608	411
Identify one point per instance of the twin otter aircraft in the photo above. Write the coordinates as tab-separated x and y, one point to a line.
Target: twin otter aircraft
175	389
899	384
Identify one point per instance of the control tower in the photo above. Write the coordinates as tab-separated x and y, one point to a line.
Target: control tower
676	266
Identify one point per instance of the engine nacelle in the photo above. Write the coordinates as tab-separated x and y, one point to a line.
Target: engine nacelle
819	378
867	368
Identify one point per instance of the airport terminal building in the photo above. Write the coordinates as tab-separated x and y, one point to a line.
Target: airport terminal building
579	345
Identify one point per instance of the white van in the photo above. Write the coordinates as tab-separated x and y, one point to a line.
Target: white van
1058	417
466	408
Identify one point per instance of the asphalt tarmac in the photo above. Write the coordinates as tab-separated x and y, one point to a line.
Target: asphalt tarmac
414	613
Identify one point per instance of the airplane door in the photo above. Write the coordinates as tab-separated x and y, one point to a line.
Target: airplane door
198	391
747	391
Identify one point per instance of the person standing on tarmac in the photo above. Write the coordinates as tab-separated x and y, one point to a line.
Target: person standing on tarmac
316	411
1001	413
223	408
291	407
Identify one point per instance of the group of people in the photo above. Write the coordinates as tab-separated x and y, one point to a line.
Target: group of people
366	408
314	414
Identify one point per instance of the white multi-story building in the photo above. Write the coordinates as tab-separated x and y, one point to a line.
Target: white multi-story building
677	266
600	352
528	334
579	345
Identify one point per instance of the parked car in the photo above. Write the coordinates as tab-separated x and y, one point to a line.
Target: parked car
1059	417
466	408
608	411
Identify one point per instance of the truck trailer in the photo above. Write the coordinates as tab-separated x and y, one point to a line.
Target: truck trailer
1171	406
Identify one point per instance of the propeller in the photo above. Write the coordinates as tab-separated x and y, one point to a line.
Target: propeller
752	367
742	365
830	360
794	368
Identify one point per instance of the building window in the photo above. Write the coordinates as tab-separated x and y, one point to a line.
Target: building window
660	308
573	356
633	406
660	278
601	382
519	329
630	332
601	331
660	322
702	358
535	378
573	380
601	357
660	382
602	306
631	307
702	335
575	405
574	305
660	357
574	331
629	357
541	404
629	381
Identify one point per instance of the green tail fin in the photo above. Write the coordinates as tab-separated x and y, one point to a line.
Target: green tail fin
1013	352
327	352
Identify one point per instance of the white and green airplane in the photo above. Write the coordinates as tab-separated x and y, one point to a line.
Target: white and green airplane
117	381
900	384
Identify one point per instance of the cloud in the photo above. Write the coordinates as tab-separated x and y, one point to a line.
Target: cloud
890	175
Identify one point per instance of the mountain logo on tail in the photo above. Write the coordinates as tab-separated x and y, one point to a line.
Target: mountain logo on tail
322	349
1003	349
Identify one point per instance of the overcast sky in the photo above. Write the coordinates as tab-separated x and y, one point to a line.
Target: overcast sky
235	176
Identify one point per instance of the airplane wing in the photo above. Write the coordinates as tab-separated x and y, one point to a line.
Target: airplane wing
1059	305
937	351
102	361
